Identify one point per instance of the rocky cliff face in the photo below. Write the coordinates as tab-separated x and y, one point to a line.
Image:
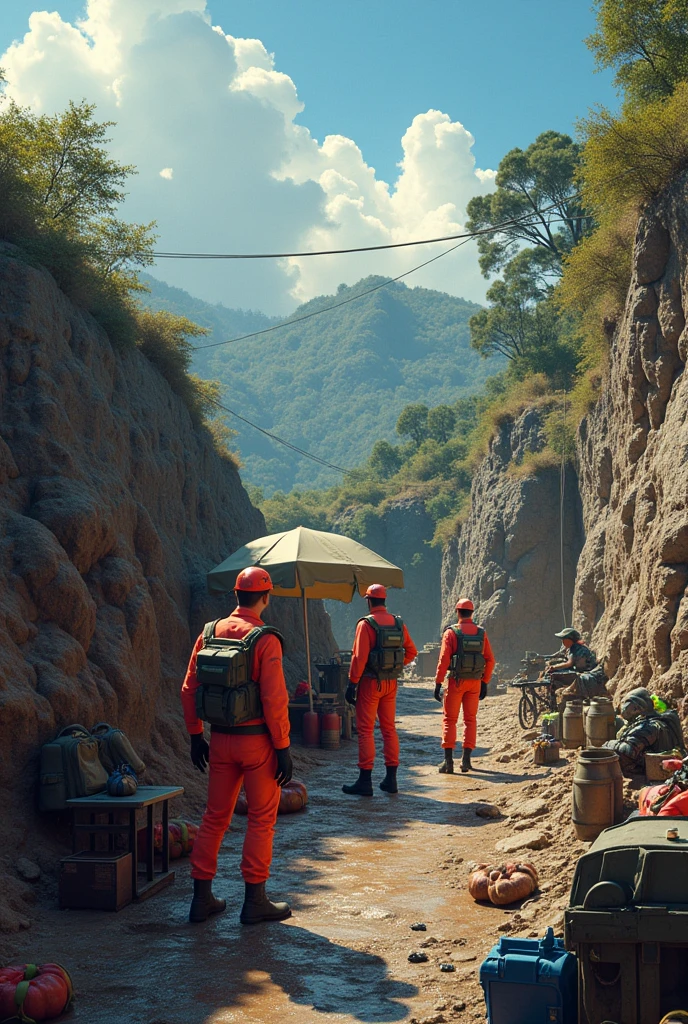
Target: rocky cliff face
403	536
112	509
633	451
507	554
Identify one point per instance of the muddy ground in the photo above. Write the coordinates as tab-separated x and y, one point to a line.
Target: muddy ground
358	873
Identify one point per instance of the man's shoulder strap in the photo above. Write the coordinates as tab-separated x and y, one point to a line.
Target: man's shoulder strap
252	638
209	631
372	621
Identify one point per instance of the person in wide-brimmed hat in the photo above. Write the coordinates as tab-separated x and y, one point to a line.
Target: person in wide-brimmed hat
577	669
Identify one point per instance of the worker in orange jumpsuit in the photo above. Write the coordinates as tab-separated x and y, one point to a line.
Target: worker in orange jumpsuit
255	753
462	693
374	697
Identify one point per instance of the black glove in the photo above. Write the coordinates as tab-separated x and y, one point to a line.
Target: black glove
199	751
438	692
350	695
483	691
285	768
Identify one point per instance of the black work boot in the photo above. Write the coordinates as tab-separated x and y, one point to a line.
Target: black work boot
363	786
389	783
257	907
466	759
447	766
204	903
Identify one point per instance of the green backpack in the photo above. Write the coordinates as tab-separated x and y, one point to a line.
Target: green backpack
70	767
226	694
469	660
386	658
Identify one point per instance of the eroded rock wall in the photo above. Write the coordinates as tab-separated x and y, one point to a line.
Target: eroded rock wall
507	554
112	509
633	452
402	535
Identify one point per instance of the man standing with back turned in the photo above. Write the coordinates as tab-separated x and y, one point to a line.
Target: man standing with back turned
466	652
382	647
235	682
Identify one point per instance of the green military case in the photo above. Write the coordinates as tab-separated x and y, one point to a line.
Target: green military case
627	922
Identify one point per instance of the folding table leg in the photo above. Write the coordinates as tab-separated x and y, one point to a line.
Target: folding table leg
133	850
150	848
165	836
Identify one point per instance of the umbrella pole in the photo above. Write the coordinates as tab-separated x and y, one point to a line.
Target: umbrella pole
308	647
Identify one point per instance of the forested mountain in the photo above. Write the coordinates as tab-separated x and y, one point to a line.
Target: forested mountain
334	384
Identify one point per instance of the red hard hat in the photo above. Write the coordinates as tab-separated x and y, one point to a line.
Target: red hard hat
376	590
254	579
465	604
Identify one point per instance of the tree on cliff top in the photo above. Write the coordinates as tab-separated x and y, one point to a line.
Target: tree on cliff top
645	42
535	186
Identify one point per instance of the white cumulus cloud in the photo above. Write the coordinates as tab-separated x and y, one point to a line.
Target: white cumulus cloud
246	177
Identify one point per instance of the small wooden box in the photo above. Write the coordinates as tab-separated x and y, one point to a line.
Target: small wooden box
653	767
91	880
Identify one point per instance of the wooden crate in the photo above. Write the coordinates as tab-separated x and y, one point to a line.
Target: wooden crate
653	767
95	880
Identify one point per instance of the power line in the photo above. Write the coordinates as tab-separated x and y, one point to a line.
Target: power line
281	440
524	220
335	305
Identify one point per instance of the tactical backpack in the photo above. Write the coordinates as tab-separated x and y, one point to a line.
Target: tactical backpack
469	660
670	733
226	694
115	749
386	658
70	767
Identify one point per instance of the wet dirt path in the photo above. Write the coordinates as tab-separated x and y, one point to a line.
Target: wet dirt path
357	872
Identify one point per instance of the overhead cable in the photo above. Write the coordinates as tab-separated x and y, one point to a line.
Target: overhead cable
280	440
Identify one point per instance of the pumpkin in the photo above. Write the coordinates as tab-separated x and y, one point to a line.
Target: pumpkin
30	993
479	881
293	797
503	885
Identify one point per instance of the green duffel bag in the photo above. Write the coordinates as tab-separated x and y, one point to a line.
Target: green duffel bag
115	748
70	767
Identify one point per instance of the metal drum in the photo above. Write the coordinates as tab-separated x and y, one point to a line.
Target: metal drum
600	722
573	730
597	798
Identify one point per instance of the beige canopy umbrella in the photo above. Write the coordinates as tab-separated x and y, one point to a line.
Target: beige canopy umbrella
309	564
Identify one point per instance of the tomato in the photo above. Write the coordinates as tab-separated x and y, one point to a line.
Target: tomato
34	993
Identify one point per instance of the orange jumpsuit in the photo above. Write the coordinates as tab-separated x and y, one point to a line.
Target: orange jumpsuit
235	758
376	698
461	693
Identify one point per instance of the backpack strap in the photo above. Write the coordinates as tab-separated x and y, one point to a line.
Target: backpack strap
74	729
252	638
399	623
209	631
372	621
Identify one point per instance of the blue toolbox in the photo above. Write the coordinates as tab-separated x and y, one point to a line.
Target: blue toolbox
530	981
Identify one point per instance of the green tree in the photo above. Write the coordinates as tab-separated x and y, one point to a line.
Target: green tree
385	459
441	423
645	42
538	184
413	422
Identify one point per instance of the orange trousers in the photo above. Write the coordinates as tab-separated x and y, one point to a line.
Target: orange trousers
234	759
464	693
376	700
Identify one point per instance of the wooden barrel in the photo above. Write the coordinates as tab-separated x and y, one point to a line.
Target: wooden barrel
330	730
597	797
573	729
600	722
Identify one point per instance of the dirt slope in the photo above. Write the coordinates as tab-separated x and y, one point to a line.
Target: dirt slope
112	509
633	450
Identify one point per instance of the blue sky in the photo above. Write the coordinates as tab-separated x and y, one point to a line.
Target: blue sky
376	121
507	69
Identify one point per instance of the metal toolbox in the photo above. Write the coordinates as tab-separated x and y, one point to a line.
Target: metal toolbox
627	922
530	981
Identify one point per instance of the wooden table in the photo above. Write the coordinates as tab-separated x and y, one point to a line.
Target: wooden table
145	796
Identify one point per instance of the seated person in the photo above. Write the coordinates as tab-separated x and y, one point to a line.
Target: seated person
647	731
576	668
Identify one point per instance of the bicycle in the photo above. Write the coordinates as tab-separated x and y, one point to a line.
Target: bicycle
533	702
